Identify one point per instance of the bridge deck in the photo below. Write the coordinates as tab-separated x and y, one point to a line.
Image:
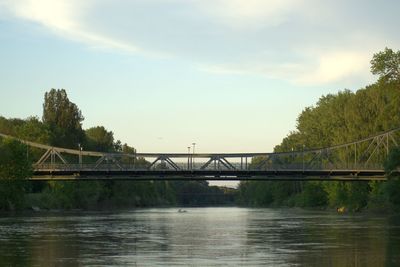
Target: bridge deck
273	175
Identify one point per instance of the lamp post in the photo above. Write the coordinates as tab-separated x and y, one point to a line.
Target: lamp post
80	154
188	164
194	146
292	155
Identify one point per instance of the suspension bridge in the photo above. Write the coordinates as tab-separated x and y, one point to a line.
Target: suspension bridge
361	160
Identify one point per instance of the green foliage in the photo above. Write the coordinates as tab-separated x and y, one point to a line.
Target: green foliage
378	200
62	126
392	190
14	169
72	194
34	130
107	194
385	196
386	64
393	161
336	193
336	119
99	139
64	119
199	193
259	193
142	193
357	195
128	149
9	126
313	195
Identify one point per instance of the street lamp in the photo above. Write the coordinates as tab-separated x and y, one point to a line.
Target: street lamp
194	146
80	154
188	164
292	161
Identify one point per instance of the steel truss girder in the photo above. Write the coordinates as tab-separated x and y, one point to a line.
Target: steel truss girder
263	162
218	160
107	158
378	142
166	159
52	154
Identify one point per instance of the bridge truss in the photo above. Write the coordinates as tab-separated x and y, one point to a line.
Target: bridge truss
354	161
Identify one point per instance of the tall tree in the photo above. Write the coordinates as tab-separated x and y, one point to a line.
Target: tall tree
386	64
63	117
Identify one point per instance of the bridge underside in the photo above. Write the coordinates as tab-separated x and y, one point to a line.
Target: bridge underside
211	175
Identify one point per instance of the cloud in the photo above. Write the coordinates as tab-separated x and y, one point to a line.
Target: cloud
64	18
315	69
290	40
336	65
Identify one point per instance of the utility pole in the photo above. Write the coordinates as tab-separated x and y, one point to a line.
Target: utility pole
188	163
80	155
193	163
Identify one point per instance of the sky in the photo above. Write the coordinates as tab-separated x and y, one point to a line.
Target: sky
229	75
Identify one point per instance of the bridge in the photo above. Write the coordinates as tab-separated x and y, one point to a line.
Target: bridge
360	160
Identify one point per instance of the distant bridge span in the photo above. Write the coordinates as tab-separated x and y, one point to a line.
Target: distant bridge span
360	160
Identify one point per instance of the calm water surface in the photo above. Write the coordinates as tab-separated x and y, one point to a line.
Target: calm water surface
200	237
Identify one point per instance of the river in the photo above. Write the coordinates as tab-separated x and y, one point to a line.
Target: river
199	237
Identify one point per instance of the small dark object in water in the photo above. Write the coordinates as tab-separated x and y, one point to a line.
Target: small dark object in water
35	208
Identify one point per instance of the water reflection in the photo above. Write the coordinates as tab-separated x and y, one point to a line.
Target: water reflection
202	236
326	240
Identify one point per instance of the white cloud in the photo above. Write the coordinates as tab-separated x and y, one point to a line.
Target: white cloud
58	15
64	17
336	65
196	30
329	66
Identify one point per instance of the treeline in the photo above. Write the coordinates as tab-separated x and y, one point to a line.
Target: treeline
336	119
61	125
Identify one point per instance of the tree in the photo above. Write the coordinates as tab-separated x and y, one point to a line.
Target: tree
34	130
8	126
392	186
128	149
99	139
393	161
340	118
63	117
314	195
386	64
14	169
